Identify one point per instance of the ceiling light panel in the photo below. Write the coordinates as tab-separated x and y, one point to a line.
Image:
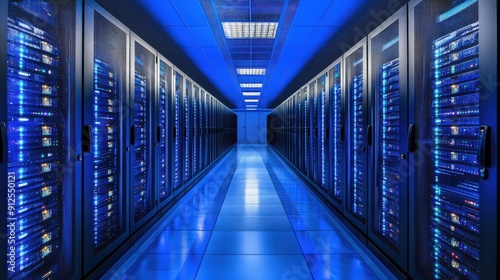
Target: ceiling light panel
251	93
251	71
250	30
251	106
251	100
251	85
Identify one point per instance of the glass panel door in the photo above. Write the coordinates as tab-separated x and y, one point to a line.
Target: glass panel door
445	86
41	185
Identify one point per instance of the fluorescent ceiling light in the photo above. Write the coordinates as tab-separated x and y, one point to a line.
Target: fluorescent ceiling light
251	71
251	109
251	93
251	100
250	30
257	85
251	106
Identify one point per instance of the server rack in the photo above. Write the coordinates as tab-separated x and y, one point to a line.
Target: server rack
206	134
337	135
313	136
387	88
305	134
106	84
178	127
205	130
164	121
294	130
322	132
196	93
358	134
213	140
38	124
142	132
188	126
453	205
300	133
201	129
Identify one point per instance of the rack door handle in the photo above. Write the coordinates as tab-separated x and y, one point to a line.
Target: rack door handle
369	136
87	138
411	138
158	134
133	134
483	157
3	142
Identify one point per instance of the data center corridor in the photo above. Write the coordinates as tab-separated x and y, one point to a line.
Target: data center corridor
251	217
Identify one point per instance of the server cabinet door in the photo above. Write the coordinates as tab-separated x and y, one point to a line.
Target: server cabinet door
38	169
177	147
206	139
387	87
200	130
143	89
446	184
305	134
163	159
313	132
300	138
188	124
322	153
196	92
105	138
336	157
355	71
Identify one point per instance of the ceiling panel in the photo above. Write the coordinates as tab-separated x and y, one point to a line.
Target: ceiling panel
204	36
182	35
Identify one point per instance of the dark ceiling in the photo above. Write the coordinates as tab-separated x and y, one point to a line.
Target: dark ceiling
310	35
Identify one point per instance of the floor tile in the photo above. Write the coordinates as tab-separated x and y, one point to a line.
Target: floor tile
252	199
323	242
161	266
251	191
252	210
310	222
253	223
183	222
339	266
180	242
253	242
251	267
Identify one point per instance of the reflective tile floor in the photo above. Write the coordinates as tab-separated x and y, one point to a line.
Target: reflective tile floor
250	218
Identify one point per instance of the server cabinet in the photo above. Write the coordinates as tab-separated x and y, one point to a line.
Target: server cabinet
294	138
206	144
336	158
164	120
106	84
188	126
206	147
313	131
177	147
300	137
387	88
322	134
305	133
453	183
196	93
213	135
39	121
142	133
357	104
